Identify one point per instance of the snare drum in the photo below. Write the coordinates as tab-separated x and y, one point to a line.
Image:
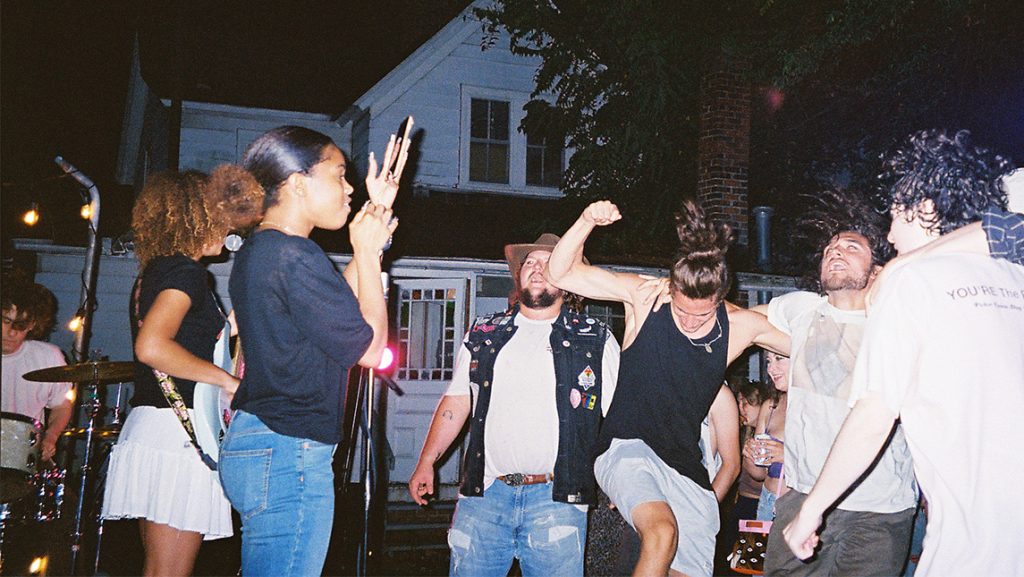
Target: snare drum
20	444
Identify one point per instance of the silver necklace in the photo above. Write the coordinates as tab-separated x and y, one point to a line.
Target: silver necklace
707	345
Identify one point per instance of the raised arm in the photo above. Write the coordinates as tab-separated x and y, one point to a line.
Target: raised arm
368	231
382	184
567	271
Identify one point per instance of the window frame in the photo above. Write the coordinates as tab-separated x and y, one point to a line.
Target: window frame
517	145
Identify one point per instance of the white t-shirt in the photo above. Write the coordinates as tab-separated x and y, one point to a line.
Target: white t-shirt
825	342
944	346
521	432
27	397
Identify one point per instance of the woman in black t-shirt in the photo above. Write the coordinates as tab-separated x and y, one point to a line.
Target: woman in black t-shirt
155	474
302	326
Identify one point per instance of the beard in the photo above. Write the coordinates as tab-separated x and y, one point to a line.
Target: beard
539	301
846	281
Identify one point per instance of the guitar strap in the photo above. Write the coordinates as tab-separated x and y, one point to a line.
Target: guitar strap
170	391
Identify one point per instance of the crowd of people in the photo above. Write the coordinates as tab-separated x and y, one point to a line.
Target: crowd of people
884	382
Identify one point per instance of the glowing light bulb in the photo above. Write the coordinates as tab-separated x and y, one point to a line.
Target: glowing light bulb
386	358
70	395
37	566
31	217
75	323
86	211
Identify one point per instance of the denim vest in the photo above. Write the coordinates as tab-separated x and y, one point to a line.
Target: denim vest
577	344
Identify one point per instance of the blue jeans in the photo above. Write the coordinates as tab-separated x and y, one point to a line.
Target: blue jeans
517	522
283	488
766	505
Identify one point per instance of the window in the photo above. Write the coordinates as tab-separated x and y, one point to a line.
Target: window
489	141
428	332
543	162
496	155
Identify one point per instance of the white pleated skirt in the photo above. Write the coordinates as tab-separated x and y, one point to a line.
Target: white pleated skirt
156	474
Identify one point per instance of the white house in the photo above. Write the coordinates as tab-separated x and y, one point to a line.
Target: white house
468	105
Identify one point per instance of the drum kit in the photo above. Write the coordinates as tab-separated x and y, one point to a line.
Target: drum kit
32	490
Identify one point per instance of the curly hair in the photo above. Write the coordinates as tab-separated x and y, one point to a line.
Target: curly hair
700	270
960	179
831	212
183	212
34	302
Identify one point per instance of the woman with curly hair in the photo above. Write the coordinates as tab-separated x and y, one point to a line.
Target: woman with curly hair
155	474
303	326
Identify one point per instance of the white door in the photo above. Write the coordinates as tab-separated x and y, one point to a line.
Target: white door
431	322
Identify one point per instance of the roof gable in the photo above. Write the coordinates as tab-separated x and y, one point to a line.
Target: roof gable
411	70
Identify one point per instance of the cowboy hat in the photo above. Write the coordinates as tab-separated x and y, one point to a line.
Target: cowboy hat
515	254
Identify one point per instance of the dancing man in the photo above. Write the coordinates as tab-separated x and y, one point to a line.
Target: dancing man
673	365
941	353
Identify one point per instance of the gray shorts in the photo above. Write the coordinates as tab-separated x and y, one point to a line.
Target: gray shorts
631	473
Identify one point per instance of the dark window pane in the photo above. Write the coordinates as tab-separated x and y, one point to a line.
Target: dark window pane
499	120
478	118
535	166
553	167
478	161
497	165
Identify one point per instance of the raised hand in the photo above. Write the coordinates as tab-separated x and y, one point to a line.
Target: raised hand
372	227
601	213
382	181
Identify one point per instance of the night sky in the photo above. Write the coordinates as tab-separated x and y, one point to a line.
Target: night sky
65	68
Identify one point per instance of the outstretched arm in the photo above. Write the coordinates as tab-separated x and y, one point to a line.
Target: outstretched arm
863	434
450	416
747	327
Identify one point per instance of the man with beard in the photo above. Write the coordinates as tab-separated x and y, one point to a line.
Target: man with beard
868	533
535	381
942	354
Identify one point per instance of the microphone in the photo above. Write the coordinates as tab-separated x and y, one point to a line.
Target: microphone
233	242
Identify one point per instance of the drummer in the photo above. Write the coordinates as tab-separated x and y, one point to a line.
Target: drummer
29	310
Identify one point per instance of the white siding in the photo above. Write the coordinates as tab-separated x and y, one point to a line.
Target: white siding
213	134
436	100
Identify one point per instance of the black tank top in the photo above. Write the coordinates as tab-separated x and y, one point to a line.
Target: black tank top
665	389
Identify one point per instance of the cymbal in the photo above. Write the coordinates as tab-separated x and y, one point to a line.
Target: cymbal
97	372
108	432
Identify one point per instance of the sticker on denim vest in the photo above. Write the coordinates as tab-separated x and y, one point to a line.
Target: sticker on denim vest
589	401
587	378
574	398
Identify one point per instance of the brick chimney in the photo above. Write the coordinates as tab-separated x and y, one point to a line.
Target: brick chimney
723	148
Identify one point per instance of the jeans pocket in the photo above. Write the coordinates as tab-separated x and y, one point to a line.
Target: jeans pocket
245	476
